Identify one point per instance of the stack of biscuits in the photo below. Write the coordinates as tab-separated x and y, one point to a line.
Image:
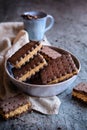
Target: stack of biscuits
39	64
27	61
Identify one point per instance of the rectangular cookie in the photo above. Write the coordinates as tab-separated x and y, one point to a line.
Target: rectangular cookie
80	92
49	53
30	68
24	54
58	70
35	79
14	106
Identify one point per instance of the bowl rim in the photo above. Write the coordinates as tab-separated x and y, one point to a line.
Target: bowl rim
47	85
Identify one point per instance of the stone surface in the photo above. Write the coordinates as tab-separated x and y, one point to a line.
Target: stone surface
69	32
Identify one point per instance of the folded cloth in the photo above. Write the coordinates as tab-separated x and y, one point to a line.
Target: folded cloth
13	37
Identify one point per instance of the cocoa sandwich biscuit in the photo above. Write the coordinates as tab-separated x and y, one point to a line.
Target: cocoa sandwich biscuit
80	92
59	70
49	53
30	68
35	79
14	106
24	54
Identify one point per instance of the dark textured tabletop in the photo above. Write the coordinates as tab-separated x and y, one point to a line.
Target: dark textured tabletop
69	32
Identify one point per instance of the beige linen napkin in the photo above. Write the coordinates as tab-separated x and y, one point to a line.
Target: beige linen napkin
13	37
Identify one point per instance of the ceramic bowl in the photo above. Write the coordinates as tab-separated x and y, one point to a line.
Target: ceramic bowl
44	90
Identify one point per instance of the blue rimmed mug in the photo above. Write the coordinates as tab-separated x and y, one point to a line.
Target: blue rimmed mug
35	23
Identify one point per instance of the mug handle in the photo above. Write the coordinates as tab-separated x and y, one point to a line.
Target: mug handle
51	22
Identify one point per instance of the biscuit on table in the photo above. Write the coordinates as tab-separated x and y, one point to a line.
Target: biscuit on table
49	53
30	68
59	70
80	92
14	106
24	54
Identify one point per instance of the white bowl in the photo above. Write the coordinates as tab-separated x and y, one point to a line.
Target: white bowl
44	90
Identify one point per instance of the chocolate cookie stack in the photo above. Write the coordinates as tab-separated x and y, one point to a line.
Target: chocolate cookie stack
34	61
27	61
